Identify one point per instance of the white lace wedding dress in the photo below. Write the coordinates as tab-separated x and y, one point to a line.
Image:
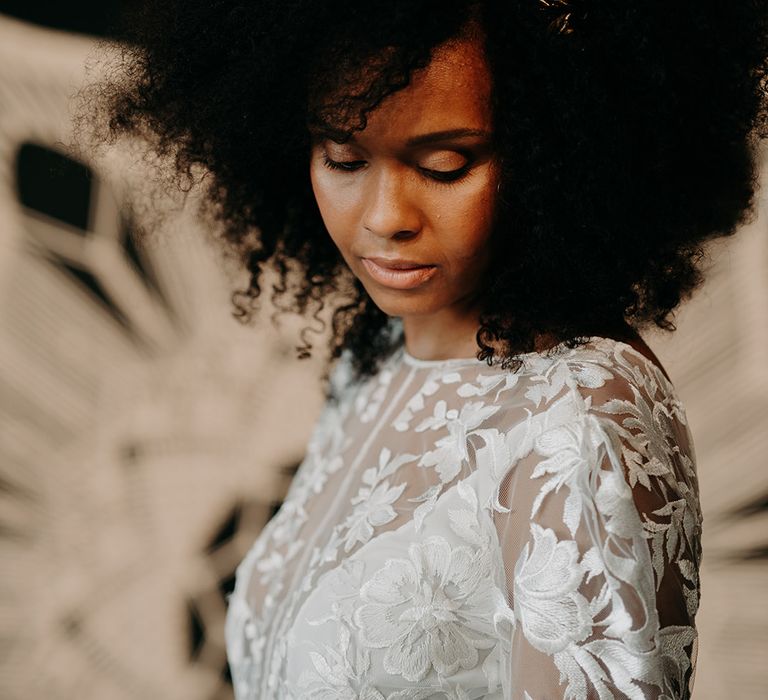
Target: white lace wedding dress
462	531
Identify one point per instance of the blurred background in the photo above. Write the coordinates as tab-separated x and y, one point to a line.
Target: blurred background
146	436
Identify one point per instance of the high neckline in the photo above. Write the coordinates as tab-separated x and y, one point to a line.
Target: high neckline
594	340
416	362
456	361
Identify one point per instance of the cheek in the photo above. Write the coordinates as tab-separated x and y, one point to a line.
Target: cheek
464	221
322	191
334	208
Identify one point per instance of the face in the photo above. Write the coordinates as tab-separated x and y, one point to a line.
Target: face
416	186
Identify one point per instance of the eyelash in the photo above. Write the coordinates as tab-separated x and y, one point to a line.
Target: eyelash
453	176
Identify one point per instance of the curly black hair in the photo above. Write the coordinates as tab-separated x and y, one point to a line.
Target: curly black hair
628	135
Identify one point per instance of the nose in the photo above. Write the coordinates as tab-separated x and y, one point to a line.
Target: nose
390	210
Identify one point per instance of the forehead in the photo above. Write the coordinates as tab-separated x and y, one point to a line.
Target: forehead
452	92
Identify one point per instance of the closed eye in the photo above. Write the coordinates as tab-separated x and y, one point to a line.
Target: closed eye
439	175
448	175
348	165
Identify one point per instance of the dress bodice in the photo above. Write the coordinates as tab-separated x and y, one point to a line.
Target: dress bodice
464	531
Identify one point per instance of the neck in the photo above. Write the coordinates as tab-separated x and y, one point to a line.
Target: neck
434	338
431	337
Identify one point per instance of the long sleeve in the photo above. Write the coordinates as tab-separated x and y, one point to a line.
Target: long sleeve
599	527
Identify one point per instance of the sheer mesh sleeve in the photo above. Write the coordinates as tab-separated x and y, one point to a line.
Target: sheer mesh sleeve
599	527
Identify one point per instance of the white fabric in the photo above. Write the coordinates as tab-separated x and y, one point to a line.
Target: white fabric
462	531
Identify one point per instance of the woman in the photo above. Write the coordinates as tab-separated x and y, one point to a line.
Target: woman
499	499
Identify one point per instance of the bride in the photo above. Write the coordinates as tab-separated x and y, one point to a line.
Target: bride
499	499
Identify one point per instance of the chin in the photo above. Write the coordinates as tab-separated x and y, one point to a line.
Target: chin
404	303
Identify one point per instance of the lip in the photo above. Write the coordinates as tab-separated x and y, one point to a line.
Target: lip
398	273
397	263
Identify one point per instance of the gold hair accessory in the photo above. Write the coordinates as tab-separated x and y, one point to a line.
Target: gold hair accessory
564	11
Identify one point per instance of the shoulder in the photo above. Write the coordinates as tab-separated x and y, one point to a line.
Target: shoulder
601	377
603	405
633	405
623	396
624	437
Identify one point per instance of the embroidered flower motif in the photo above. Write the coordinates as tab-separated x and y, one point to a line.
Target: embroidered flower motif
338	674
547	603
484	383
451	450
271	566
428	500
373	502
674	642
650	442
552	380
565	462
367	406
432	610
287	522
587	368
240	630
374	508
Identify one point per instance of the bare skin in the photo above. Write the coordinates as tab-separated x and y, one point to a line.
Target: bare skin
387	198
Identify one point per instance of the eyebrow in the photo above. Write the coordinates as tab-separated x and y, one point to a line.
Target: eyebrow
422	139
448	135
